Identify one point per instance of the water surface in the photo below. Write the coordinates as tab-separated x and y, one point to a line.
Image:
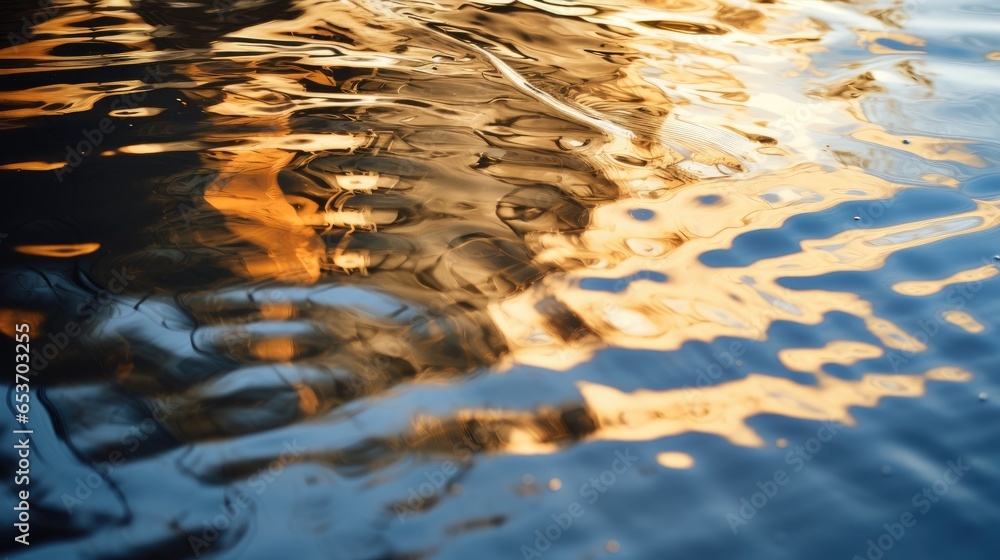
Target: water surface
505	279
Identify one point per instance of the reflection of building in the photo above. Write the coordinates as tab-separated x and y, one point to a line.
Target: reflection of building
443	167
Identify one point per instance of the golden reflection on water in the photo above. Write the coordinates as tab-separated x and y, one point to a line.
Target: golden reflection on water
930	287
701	115
63	251
964	321
702	303
841	352
724	409
675	460
13	317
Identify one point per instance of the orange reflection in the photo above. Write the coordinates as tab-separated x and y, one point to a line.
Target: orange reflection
964	321
34	166
623	156
841	352
723	409
10	318
59	251
930	287
675	460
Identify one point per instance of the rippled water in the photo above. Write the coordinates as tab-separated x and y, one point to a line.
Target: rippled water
504	279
